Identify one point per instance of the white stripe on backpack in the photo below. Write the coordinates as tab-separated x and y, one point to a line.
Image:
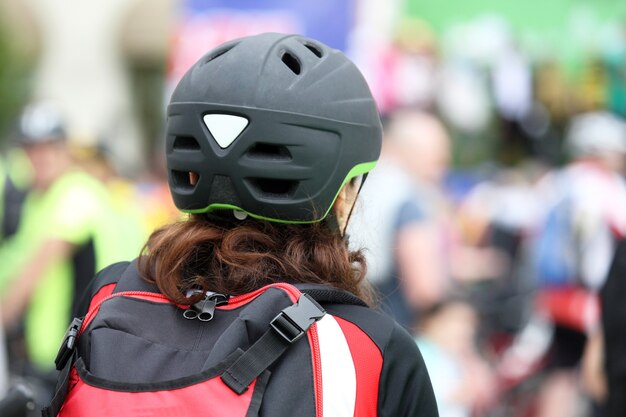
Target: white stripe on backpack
338	374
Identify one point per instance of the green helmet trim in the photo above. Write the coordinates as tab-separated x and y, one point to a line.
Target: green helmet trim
357	170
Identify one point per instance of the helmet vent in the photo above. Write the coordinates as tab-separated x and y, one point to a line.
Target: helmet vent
315	49
292	62
219	53
273	188
268	151
185	180
186	143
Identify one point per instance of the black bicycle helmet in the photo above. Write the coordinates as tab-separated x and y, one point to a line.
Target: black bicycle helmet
270	125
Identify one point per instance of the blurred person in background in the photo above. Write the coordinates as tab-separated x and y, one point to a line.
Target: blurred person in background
408	68
462	380
406	224
15	172
154	195
584	215
500	212
144	204
374	226
604	366
605	355
69	230
126	200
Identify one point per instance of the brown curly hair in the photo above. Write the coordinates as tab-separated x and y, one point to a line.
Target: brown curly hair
236	258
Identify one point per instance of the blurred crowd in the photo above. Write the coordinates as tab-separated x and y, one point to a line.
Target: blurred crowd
493	221
490	225
501	287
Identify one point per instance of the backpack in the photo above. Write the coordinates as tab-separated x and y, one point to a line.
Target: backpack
555	249
135	353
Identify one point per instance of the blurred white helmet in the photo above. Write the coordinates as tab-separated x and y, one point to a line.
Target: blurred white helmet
40	122
594	133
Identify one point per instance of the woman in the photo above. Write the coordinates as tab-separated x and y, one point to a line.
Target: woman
267	139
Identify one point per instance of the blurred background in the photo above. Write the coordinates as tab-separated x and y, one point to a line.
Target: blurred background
490	224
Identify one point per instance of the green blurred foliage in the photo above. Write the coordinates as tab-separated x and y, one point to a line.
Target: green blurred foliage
563	29
15	82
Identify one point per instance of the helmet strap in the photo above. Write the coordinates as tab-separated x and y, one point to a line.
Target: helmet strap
334	224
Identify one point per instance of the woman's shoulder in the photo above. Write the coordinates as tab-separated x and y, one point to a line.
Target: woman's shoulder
353	315
385	356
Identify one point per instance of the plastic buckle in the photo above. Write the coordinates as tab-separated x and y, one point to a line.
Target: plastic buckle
69	343
204	310
293	322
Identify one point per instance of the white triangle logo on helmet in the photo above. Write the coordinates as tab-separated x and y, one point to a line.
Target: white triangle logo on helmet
225	128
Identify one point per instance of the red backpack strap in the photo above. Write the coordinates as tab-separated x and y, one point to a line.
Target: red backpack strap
104	292
104	281
101	287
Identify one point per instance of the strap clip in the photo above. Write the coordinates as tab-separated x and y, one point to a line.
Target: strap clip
69	343
204	310
293	322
